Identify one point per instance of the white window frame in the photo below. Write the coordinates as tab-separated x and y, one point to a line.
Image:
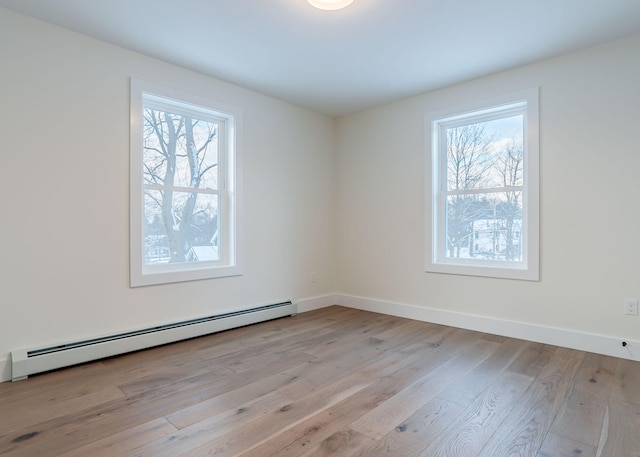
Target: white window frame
148	94
435	186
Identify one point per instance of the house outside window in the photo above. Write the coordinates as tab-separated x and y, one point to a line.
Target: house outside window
482	188
184	187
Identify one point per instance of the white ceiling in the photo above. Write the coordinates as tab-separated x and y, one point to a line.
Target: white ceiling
338	62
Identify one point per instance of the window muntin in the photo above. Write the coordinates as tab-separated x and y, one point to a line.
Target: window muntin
483	200
181	242
183	188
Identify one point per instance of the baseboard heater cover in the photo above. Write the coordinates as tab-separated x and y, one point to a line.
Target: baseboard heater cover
30	361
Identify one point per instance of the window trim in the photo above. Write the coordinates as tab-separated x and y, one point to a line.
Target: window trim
435	261
231	251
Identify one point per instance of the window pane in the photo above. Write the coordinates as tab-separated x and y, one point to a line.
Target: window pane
485	154
179	150
485	226
181	227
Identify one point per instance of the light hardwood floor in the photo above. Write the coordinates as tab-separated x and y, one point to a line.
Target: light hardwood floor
332	382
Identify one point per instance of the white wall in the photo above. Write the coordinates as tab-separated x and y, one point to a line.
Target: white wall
64	129
590	193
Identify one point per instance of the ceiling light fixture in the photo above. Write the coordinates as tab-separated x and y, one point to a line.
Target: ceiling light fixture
330	4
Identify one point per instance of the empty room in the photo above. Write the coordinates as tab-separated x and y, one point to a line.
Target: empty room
320	228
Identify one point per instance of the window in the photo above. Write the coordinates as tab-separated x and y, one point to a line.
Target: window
184	187
482	200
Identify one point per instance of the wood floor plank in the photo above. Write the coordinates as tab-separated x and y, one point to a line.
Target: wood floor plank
47	410
582	414
384	337
392	378
209	384
626	382
233	362
559	446
532	417
470	431
466	389
201	440
416	433
345	443
620	428
295	440
159	401
334	381
532	360
125	442
66	433
56	395
384	418
232	401
207	430
434	344
621	437
318	373
51	382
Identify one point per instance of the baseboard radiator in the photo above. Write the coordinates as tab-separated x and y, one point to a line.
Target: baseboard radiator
30	361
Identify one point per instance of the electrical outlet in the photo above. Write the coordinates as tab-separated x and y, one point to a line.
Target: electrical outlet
313	278
631	306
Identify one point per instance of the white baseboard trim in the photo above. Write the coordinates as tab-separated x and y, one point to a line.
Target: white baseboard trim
5	370
583	341
309	304
590	342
